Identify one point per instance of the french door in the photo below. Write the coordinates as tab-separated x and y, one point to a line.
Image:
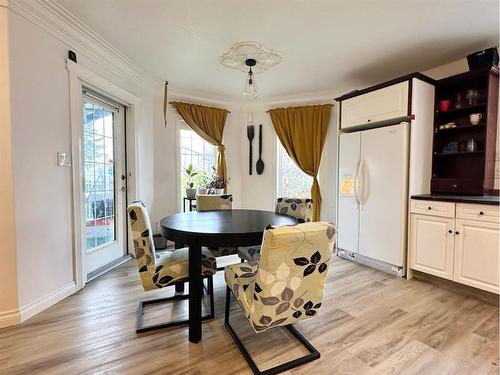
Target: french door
104	183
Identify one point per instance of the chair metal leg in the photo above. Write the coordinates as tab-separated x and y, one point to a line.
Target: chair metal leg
210	292
179	288
314	354
141	328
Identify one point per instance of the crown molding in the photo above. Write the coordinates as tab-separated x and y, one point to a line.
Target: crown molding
64	26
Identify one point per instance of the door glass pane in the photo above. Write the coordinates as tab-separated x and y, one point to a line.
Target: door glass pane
99	177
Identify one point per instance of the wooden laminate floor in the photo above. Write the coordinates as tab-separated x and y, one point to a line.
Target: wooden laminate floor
370	323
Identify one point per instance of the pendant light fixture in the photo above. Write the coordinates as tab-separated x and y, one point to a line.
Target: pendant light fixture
250	90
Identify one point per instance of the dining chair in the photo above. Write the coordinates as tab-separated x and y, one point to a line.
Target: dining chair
217	203
207	202
169	269
299	208
284	287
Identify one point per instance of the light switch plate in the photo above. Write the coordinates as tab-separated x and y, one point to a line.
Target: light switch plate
63	159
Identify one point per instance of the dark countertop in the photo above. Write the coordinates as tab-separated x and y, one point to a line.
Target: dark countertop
478	199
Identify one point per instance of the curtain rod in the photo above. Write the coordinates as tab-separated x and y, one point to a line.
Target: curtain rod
333	105
206	106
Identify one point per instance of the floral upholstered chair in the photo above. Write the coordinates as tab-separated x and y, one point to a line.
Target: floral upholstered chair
217	203
299	208
214	202
170	268
286	284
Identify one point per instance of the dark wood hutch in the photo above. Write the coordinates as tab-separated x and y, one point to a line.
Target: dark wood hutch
464	148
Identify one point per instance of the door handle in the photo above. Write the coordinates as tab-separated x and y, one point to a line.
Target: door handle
356	187
361	179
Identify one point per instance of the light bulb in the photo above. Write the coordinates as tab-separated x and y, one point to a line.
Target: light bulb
250	89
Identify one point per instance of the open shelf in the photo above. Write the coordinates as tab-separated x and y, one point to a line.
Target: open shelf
461	127
461	109
458	153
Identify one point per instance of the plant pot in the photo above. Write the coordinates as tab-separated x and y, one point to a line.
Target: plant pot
202	191
219	191
190	193
159	241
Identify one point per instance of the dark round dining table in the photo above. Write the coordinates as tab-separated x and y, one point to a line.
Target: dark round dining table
226	228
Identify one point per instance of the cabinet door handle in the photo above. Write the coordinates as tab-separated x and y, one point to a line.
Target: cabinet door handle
457	232
450	231
481	213
429	208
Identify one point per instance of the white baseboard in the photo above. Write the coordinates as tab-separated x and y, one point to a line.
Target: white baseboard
9	318
43	303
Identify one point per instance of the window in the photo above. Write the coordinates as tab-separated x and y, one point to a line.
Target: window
99	187
292	182
199	153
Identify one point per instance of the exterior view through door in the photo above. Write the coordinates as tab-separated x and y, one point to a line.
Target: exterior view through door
104	187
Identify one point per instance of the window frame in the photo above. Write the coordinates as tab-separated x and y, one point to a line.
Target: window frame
280	151
181	125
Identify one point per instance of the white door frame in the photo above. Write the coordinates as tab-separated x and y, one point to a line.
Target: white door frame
78	78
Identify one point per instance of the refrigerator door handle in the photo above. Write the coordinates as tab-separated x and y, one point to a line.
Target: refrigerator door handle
356	184
360	178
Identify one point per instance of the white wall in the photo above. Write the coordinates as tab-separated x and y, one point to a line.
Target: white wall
8	265
40	128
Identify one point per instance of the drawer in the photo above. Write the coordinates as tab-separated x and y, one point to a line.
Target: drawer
456	186
433	208
480	212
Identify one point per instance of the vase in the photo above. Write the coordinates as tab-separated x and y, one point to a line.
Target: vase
219	191
190	193
202	191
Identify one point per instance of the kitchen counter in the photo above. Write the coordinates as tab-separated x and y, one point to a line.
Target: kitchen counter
478	199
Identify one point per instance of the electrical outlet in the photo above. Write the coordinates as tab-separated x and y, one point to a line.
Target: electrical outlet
63	159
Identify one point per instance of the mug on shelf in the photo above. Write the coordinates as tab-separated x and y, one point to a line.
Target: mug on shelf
444	105
475	118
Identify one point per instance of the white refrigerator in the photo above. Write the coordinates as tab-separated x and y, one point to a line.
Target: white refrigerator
373	196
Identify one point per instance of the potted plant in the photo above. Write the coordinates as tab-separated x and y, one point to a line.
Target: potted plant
217	185
190	173
201	181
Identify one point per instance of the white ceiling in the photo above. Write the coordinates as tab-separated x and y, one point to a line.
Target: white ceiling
327	46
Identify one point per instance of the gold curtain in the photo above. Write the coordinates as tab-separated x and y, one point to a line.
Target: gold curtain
208	123
302	132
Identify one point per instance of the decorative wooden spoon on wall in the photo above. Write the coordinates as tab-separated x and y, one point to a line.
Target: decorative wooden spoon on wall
260	164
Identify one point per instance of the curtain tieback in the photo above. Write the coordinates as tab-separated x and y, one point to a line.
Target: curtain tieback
221	148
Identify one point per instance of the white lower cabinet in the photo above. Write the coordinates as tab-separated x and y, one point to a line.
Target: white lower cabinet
432	243
476	254
463	250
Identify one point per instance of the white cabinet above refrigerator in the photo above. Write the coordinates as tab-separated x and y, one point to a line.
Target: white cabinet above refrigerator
381	105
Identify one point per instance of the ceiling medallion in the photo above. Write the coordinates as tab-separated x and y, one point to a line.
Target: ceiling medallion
253	58
236	56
